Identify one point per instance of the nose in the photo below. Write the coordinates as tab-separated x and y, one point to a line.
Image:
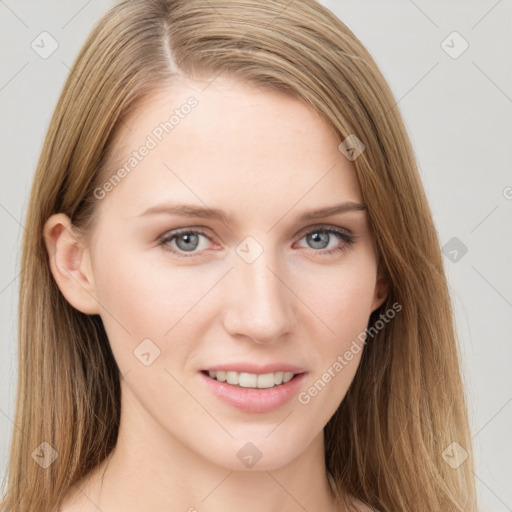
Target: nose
260	306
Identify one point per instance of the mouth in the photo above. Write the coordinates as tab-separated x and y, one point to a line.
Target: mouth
258	392
251	380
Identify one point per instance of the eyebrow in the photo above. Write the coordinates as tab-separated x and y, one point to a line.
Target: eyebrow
188	210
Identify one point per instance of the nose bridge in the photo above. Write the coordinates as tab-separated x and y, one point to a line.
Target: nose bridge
260	304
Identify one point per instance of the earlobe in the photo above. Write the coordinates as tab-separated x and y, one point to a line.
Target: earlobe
381	291
70	264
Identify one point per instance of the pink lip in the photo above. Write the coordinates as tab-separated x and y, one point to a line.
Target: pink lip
252	399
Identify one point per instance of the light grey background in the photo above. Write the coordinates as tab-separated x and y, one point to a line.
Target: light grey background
457	111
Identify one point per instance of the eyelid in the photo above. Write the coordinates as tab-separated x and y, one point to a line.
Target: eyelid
320	226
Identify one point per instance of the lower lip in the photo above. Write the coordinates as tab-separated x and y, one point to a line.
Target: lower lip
253	399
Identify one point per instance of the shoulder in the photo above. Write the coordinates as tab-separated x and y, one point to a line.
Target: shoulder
76	498
356	503
362	507
73	502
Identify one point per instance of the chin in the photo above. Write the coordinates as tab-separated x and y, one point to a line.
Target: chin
262	452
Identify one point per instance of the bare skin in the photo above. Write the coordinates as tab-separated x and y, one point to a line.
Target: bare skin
265	159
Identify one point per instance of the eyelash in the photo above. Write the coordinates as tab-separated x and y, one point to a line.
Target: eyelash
346	237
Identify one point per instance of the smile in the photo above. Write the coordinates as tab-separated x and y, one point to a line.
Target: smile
253	392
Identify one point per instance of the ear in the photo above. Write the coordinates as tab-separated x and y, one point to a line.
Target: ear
70	264
381	290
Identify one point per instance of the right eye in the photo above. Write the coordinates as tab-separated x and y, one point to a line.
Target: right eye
183	241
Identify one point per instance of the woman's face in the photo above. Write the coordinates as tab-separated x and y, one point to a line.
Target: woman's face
201	262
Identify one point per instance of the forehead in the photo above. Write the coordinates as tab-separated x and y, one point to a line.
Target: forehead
231	145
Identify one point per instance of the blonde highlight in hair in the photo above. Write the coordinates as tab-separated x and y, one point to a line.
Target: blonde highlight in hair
406	403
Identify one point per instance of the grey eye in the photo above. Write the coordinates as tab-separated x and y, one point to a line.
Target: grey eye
319	239
187	241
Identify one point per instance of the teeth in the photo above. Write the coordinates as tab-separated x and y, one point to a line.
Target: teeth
287	376
248	380
266	380
252	380
232	377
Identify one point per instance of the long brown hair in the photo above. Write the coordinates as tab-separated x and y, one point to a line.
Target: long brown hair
406	405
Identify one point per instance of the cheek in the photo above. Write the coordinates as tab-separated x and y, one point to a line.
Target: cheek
341	296
146	297
144	292
350	309
342	300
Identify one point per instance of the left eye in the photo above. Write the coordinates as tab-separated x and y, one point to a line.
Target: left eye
320	237
187	241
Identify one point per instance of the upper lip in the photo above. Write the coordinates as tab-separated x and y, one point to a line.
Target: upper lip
256	368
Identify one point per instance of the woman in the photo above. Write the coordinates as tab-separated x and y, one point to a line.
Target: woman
233	293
